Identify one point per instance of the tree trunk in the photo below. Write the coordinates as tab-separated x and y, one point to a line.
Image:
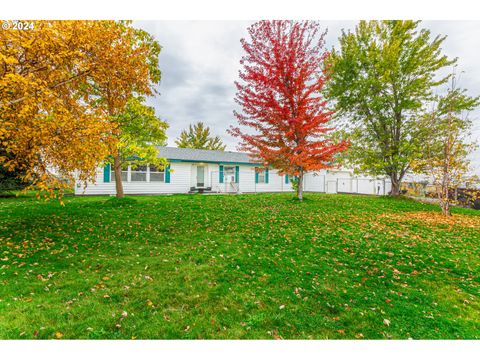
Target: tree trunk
395	185
117	165
446	175
300	186
445	195
446	208
444	199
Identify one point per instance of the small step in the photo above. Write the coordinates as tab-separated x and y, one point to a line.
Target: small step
194	190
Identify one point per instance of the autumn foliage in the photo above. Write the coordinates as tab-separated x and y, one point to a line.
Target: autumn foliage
62	85
46	121
129	71
280	95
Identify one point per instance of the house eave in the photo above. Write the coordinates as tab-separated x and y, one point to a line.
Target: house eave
214	162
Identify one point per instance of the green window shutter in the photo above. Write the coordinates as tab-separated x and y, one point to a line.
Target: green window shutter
237	174
106	173
266	176
220	174
167	174
256	176
286	179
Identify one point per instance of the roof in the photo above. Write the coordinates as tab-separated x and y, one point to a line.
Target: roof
197	155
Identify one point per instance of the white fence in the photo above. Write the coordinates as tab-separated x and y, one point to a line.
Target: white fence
369	186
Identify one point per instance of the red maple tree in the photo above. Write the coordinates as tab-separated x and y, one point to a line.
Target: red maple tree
283	75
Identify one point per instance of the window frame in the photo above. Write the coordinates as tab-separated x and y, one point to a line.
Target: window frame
128	171
125	173
150	172
262	173
227	173
137	172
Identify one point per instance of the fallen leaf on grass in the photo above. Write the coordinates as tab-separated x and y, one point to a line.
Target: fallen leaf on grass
435	218
275	335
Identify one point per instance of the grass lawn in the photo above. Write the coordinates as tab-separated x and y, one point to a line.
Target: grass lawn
247	267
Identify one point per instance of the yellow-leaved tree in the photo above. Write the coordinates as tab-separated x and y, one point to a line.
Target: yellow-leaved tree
131	72
63	84
445	159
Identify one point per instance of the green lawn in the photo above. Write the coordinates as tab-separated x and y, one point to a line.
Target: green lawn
246	267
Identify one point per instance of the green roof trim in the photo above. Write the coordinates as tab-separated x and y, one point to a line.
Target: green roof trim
213	162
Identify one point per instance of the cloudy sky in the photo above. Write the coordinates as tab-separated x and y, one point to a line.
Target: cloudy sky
200	62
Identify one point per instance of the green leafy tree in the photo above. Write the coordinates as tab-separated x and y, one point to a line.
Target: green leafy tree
130	70
446	143
381	78
198	137
141	131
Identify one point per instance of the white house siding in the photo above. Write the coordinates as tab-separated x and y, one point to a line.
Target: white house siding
180	178
276	183
183	177
246	183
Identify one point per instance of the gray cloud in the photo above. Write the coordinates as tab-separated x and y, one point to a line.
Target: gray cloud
200	62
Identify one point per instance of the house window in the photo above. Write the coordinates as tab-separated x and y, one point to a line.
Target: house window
138	173
124	173
157	174
261	176
229	173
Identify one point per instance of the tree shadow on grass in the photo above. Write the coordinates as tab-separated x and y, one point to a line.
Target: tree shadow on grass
120	202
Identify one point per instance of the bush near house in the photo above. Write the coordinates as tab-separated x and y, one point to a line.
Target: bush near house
466	197
248	267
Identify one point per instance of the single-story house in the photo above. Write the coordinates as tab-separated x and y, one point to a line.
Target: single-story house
193	170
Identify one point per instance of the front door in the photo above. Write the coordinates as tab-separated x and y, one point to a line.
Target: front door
200	176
